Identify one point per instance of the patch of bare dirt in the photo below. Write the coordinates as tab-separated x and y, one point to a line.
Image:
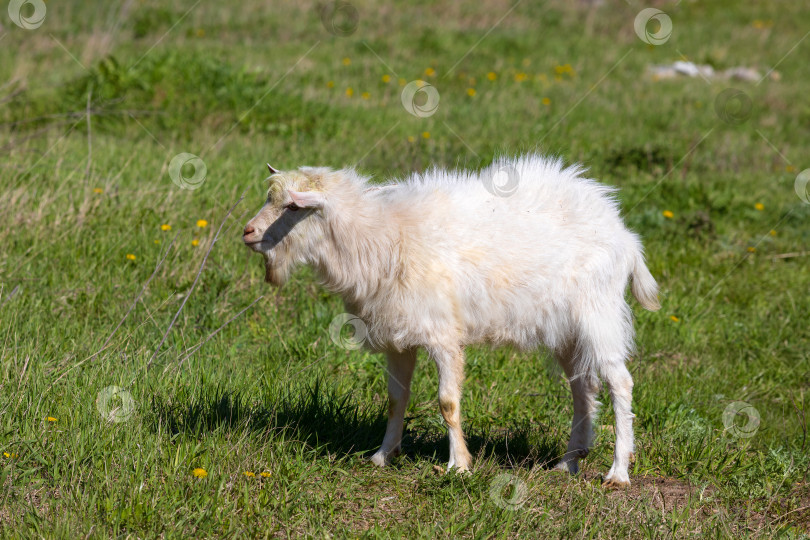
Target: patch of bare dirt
667	494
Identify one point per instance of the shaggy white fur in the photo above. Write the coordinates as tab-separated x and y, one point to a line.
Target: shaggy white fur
441	261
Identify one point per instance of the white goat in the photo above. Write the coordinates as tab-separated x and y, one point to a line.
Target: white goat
440	261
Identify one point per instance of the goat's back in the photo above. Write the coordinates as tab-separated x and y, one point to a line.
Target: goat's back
516	268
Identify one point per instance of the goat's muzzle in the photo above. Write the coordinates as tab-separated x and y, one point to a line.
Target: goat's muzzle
249	235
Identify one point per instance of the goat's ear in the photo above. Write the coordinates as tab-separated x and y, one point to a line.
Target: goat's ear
307	199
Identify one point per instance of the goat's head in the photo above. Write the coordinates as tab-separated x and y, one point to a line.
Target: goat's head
289	227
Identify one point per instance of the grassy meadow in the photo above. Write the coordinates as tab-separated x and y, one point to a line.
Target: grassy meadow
152	385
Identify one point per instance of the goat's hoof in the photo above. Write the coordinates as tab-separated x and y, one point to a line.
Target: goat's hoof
460	465
613	483
378	459
461	471
570	467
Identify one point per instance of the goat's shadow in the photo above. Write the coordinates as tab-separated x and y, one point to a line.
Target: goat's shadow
335	423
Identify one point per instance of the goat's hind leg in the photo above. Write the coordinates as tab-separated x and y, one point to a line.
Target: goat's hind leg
607	343
620	383
400	373
583	390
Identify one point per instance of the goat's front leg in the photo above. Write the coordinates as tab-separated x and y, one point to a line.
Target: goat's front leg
400	372
450	364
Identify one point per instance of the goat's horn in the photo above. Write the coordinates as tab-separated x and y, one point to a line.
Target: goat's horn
272	170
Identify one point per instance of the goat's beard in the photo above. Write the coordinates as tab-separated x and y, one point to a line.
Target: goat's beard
274	274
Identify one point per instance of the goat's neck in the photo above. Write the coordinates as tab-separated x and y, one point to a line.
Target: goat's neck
361	255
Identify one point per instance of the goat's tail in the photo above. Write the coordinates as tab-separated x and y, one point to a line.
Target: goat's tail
644	287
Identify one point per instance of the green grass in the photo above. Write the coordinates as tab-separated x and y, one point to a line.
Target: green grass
96	102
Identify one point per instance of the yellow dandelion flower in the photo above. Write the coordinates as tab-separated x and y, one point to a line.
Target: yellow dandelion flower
10	455
157	241
772	233
347	61
790	168
759	206
471	92
265	474
249	474
200	32
165	227
51	419
365	95
668	214
195	242
386	78
201	223
751	249
6	454
673	318
349	92
565	68
98	190
330	84
520	76
425	134
130	257
199	472
411	138
545	101
430	72
492	75
402	82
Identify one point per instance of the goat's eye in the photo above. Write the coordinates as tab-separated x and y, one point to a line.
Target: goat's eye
293	207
